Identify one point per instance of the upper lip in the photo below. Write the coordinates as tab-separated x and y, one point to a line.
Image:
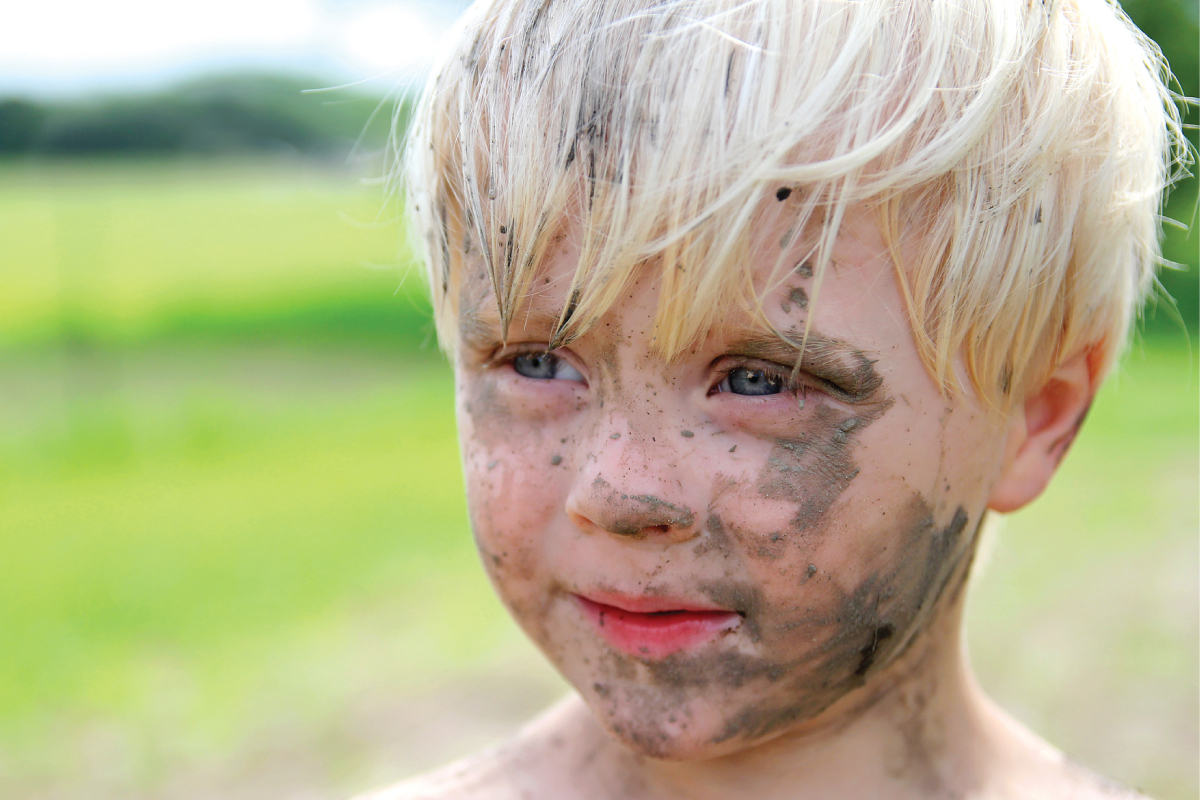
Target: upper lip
648	604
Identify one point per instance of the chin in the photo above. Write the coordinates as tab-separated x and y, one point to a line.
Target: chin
651	739
662	727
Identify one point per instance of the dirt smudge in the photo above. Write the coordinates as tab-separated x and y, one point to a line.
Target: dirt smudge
637	514
814	468
866	628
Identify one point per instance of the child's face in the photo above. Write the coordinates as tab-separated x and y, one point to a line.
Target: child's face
800	545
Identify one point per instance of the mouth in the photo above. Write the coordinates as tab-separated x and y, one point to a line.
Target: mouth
654	627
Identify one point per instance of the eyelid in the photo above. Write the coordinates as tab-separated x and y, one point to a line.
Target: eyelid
504	355
728	363
793	379
507	352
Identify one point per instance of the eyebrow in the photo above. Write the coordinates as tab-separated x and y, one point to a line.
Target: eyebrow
480	330
849	371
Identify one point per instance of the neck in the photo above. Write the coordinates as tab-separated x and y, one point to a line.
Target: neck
915	730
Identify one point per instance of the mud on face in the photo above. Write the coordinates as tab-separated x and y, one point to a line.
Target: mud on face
843	622
833	573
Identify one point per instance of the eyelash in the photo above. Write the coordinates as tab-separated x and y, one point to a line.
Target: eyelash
789	385
791	382
505	356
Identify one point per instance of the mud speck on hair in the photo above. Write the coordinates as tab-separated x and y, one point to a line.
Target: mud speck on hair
798	296
804	269
686	434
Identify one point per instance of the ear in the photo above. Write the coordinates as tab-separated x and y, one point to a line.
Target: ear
1042	429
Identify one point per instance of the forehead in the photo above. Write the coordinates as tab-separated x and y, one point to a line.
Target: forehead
852	295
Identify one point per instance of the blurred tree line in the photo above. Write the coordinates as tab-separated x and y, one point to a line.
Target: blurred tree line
231	114
262	114
1173	24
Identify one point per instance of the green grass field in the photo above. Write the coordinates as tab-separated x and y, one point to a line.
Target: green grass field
117	253
234	546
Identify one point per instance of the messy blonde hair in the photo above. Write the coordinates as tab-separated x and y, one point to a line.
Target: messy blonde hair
1026	144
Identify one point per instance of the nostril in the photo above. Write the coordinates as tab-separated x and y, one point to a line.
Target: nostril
635	531
581	522
632	531
598	506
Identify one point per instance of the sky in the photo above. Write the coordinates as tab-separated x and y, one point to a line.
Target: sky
69	48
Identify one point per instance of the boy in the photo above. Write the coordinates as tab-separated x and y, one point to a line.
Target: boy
757	307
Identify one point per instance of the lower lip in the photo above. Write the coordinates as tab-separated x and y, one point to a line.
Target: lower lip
657	635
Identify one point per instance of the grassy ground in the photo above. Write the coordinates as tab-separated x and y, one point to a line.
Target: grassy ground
1085	620
238	567
226	564
213	545
119	253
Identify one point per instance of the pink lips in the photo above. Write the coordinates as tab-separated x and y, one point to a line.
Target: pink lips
653	627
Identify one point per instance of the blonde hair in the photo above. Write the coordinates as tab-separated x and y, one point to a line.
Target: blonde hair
1026	144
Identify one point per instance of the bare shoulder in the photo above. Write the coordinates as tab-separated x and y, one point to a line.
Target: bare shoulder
1064	780
545	754
1029	767
1077	782
485	775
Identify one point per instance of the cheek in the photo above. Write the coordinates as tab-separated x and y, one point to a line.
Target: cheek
973	449
512	433
502	428
796	492
850	563
849	513
834	608
511	515
515	477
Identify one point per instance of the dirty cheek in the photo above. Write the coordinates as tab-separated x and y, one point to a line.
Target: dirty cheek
814	467
507	467
832	622
862	629
820	641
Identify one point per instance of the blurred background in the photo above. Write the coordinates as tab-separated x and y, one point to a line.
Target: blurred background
234	558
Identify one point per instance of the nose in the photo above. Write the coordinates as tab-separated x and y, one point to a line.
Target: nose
632	491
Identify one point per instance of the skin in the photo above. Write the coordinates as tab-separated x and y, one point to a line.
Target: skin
837	518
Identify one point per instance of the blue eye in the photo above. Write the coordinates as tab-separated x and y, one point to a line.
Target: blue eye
544	366
751	382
